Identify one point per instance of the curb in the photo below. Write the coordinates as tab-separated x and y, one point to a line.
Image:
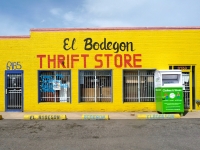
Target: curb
158	116
95	117
45	117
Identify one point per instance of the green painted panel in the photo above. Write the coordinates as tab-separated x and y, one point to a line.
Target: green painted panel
169	99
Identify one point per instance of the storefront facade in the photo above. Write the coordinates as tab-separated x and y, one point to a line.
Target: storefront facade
96	69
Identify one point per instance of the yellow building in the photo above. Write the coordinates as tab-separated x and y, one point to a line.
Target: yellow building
96	69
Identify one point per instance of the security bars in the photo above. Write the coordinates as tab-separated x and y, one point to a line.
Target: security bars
54	86
138	86
95	86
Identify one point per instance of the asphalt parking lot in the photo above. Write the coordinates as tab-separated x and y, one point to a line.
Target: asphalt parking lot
114	134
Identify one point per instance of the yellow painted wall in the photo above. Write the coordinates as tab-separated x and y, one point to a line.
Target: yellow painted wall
12	50
158	49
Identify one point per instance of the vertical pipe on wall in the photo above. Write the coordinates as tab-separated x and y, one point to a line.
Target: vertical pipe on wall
190	86
54	74
138	86
95	84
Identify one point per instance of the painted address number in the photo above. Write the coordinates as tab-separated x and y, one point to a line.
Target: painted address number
182	67
13	65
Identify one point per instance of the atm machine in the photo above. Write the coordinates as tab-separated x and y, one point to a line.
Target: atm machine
169	91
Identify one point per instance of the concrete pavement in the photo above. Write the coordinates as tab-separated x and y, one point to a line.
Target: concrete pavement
78	115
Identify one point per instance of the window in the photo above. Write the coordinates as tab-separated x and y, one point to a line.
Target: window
54	86
138	86
95	86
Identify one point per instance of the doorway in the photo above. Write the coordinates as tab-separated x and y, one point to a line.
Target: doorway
188	81
14	90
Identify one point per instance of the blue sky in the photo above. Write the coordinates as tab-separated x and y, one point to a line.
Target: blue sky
17	17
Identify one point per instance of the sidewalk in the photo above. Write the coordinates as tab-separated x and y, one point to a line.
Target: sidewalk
78	115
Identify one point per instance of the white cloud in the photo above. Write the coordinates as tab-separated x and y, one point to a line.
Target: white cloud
112	7
43	21
108	23
141	13
9	26
55	11
69	16
101	13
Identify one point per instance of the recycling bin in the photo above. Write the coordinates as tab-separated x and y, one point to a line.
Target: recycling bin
169	91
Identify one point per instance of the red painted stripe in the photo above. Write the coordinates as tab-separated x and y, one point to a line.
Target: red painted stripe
12	37
115	28
101	28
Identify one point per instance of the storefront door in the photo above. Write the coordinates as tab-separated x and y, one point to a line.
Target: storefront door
14	90
188	85
186	89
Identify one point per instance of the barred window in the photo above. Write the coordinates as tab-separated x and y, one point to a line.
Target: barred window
138	86
54	86
95	86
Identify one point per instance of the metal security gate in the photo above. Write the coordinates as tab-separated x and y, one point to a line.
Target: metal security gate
14	90
188	81
186	89
138	86
54	86
95	86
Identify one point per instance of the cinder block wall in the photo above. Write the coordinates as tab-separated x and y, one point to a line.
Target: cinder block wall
153	49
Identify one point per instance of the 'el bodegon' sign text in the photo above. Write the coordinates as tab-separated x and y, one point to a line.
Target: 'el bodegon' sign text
104	45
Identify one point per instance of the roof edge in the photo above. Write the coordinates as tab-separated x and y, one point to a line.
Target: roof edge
114	28
13	37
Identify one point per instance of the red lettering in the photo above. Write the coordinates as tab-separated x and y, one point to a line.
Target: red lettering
108	59
127	60
41	56
137	60
84	59
98	60
52	60
67	59
116	60
73	59
61	61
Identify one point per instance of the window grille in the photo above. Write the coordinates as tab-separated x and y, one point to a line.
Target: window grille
95	86
54	86
138	86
